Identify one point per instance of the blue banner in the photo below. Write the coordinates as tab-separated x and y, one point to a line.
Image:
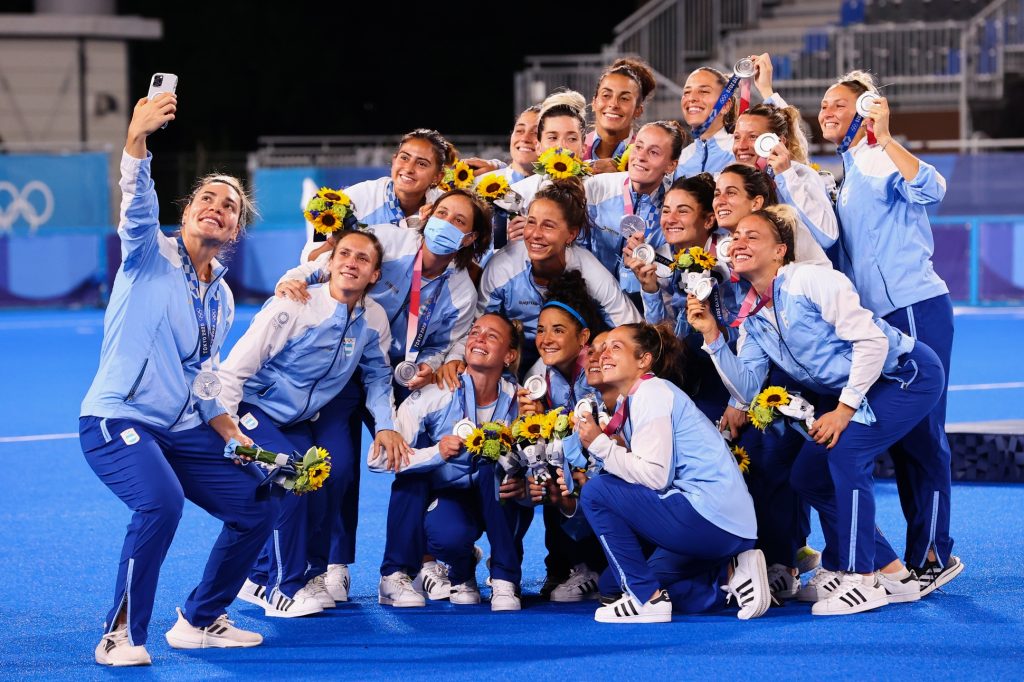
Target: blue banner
40	191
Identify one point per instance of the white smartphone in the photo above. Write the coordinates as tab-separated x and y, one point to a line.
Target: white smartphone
162	82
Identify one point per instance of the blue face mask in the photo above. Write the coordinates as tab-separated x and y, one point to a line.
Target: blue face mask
443	238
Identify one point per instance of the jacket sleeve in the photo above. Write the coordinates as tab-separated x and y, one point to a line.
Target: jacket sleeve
648	459
411	421
309	271
376	370
139	226
928	186
801	187
617	307
266	336
744	374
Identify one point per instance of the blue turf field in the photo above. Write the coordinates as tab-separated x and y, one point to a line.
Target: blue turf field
60	535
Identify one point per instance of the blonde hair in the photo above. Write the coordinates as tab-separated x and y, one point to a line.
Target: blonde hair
858	81
783	219
787	124
563	102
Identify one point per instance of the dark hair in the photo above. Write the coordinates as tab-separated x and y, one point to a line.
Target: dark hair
515	336
729	117
571	198
570	289
675	131
532	109
444	152
783	221
481	227
701	186
341	235
755	182
635	69
667	351
784	122
563	102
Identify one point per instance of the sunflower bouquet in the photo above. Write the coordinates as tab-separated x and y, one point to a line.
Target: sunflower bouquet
622	162
490	440
457	176
694	259
558	163
774	402
742	458
331	210
492	187
298	473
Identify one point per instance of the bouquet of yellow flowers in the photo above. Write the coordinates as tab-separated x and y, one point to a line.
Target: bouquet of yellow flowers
490	440
492	187
694	259
457	176
558	163
331	210
776	401
298	473
622	162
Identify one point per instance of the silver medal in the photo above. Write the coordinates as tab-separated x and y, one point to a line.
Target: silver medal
536	386
405	372
864	103
724	244
645	253
206	386
765	143
744	68
464	428
631	224
414	222
512	202
584	408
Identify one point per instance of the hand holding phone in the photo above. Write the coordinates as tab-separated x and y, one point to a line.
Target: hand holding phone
162	82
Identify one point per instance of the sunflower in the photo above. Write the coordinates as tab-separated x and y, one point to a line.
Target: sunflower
548	424
760	417
742	458
326	222
462	175
561	166
317	474
532	426
322	453
492	186
702	258
622	162
475	442
335	196
772	397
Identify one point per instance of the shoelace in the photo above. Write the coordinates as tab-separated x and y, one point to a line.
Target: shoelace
820	577
118	636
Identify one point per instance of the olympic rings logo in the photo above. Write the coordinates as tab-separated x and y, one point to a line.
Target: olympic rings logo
21	204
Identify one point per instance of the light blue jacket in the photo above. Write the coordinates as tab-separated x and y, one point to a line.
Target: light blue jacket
817	332
150	352
709	156
296	357
673	449
886	239
431	413
453	291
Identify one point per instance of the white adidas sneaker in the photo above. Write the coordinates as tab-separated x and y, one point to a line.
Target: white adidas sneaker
749	584
821	586
396	590
115	650
338	581
932	576
465	593
580	585
432	581
304	603
221	634
782	583
317	586
855	594
254	593
626	610
504	596
900	589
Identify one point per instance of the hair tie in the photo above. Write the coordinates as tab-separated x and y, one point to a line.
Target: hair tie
568	309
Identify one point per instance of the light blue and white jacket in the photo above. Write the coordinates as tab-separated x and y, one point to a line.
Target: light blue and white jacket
606	205
507	286
431	413
375	204
150	353
296	357
454	307
886	239
672	448
804	189
706	156
817	332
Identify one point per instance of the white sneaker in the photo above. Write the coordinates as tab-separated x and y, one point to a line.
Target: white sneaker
626	610
503	596
856	593
115	650
318	588
338	581
304	603
807	559
749	584
932	576
465	593
900	590
396	590
432	581
581	584
782	583
221	634
821	586
253	593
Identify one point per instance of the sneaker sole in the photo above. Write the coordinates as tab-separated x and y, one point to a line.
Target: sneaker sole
496	609
642	618
902	598
123	664
296	613
336	598
385	601
943	579
252	599
460	602
860	608
571	599
761	577
211	643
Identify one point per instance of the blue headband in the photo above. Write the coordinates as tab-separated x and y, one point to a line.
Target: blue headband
559	304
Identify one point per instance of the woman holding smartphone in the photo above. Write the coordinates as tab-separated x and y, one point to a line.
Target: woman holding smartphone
151	426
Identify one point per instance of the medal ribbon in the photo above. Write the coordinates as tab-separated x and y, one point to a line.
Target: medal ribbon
397	215
416	329
851	133
727	93
207	333
622	414
748	307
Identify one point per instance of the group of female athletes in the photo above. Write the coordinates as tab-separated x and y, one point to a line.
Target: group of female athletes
830	295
